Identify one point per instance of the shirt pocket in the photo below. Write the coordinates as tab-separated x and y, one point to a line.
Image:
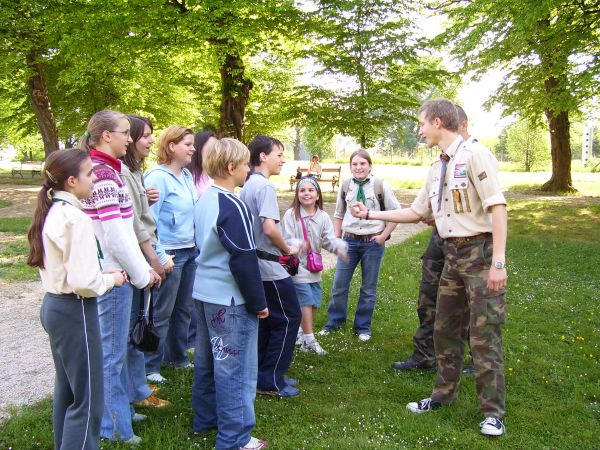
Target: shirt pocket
459	190
434	194
371	202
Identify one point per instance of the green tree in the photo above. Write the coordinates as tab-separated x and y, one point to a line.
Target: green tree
237	31
26	38
501	147
548	50
96	55
368	48
318	143
527	145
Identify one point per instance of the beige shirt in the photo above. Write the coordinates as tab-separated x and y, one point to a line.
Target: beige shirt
354	225
143	222
471	186
70	251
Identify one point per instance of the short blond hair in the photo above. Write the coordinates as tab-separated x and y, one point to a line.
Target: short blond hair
218	153
173	134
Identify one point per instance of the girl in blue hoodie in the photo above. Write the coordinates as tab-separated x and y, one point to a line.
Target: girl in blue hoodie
174	216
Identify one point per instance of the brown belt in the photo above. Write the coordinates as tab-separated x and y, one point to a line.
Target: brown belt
361	237
462	240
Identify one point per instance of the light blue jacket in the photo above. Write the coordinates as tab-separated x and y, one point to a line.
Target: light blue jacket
174	210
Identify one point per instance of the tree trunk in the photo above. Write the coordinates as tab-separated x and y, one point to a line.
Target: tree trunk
40	101
235	92
297	142
560	149
558	123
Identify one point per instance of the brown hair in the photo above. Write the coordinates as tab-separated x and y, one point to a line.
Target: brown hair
196	167
262	144
363	154
444	110
138	125
296	202
174	134
462	115
59	166
100	122
220	152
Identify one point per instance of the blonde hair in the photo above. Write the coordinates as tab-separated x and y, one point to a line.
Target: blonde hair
105	120
220	152
174	134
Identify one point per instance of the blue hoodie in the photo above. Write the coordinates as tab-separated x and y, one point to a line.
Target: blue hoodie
174	210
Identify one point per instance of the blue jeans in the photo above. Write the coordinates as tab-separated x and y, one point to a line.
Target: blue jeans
226	367
114	310
172	307
369	254
137	386
192	331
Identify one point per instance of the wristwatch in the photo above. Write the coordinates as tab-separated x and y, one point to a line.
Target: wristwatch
499	264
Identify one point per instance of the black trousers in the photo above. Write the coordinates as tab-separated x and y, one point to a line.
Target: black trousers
277	334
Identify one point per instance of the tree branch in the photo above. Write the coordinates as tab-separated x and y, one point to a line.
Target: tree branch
180	5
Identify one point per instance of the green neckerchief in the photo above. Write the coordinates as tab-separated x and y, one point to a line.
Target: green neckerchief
360	197
99	249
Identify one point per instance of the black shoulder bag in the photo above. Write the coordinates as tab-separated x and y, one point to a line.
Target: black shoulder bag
143	335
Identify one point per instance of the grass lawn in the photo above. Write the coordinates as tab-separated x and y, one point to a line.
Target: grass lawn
352	399
413	177
14	249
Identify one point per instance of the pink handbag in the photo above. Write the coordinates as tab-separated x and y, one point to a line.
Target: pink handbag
314	261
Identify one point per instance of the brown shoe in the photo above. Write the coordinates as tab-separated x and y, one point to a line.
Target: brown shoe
154	388
152	401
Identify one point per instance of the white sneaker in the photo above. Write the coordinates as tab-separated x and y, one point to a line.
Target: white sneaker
155	378
423	406
137	417
312	346
364	337
255	444
492	427
323	332
299	337
187	365
133	440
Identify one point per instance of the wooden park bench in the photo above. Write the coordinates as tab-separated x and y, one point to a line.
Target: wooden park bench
32	167
328	175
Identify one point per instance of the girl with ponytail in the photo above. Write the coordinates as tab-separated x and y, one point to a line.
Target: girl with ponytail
63	247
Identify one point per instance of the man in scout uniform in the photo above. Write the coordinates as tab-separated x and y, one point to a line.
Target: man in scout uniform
423	357
463	193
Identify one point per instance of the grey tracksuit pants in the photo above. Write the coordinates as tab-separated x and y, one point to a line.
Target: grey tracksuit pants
74	332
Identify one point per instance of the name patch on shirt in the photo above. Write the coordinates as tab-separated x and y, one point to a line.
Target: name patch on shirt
482	176
460	171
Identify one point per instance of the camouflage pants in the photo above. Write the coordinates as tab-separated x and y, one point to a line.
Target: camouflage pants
465	301
433	263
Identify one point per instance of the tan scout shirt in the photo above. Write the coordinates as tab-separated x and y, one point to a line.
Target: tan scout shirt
471	186
354	225
70	251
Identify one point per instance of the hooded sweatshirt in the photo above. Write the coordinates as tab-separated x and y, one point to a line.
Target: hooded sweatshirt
174	210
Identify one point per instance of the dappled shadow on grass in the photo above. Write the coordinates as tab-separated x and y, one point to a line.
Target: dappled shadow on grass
352	399
562	220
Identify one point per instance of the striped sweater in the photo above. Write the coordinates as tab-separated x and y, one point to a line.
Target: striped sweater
111	209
